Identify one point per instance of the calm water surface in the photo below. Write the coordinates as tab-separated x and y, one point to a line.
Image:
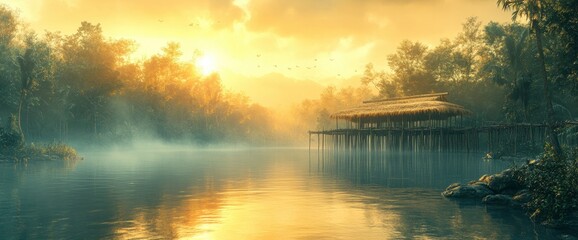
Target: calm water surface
251	194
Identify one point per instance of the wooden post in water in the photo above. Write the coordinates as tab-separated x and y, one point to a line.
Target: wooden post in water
309	147
318	151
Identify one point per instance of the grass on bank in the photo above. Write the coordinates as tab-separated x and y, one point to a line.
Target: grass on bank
13	148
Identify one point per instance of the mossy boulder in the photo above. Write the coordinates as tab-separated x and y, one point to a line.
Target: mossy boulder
498	199
504	181
470	190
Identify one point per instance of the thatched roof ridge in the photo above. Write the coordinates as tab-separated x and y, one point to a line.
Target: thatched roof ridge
419	107
436	96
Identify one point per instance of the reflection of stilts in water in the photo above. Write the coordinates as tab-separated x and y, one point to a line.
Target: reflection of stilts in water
407	168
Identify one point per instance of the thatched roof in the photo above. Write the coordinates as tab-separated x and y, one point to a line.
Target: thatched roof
412	108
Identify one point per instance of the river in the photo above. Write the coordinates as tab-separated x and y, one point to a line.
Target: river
256	193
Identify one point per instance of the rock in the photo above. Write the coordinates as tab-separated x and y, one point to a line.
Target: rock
501	181
476	190
453	185
523	196
498	199
509	191
485	178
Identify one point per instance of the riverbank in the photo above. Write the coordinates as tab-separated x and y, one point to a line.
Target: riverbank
43	152
545	188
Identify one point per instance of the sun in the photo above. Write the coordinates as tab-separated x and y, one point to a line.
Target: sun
206	64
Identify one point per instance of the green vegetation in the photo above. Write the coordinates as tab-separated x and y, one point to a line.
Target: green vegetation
51	151
13	148
503	72
491	69
85	88
552	182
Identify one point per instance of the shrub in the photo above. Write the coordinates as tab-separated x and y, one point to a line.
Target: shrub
552	181
9	141
62	151
51	151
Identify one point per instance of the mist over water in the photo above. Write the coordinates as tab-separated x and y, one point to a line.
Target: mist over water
250	193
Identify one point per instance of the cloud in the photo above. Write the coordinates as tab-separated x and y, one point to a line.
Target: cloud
167	14
322	25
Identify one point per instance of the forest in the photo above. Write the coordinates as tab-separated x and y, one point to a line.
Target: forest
494	70
85	88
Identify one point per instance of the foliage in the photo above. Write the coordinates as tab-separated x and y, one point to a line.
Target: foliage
496	64
50	151
493	70
83	87
552	182
12	147
408	66
534	11
10	142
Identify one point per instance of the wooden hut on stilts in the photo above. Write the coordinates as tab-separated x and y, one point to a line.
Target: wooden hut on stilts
427	122
420	122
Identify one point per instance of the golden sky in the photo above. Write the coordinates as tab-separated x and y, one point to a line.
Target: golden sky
319	40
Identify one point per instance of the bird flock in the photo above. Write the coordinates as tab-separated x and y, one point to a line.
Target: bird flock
197	24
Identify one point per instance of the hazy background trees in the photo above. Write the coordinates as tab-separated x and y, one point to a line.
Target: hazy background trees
85	87
492	69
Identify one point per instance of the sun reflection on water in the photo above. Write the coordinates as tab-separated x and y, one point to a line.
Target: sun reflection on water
274	209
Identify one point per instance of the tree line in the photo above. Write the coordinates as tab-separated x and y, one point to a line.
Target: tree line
496	70
84	87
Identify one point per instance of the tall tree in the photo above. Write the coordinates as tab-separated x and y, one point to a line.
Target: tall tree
89	69
561	22
381	81
8	70
521	83
408	65
533	10
26	64
468	46
510	65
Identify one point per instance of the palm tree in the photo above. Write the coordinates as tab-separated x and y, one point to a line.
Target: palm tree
533	10
520	84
